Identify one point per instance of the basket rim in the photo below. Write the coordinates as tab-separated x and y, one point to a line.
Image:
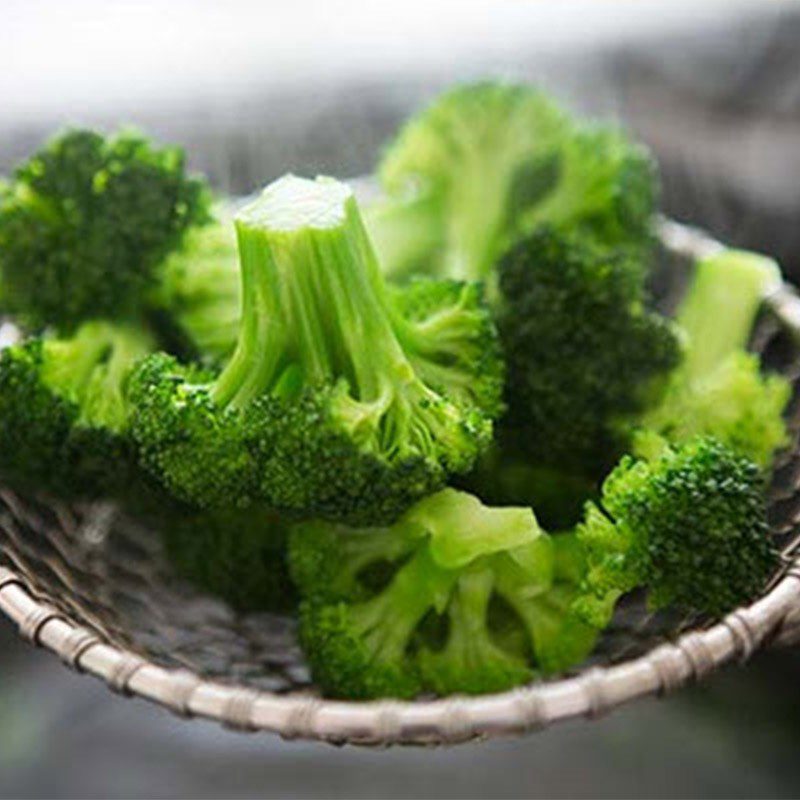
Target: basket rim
591	693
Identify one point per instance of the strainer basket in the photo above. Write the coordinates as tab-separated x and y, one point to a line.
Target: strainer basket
95	588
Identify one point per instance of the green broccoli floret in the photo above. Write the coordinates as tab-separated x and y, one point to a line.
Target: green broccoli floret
453	597
474	659
719	390
584	354
233	554
63	412
557	635
334	404
504	476
86	222
367	594
197	303
689	525
487	163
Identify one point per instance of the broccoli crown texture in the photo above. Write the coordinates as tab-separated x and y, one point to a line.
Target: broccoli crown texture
454	596
63	411
85	223
233	554
197	302
689	525
719	390
486	163
584	355
333	404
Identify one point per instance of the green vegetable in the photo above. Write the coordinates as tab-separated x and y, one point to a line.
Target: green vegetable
197	303
584	354
235	555
689	525
338	401
63	413
86	223
719	389
489	162
392	611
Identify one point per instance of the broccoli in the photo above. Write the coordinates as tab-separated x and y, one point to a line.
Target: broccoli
486	164
504	476
558	636
197	303
719	390
86	222
454	597
233	554
584	355
338	401
689	524
63	412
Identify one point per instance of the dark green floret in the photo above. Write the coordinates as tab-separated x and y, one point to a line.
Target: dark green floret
338	401
86	222
453	597
63	412
584	354
719	389
689	525
238	556
487	163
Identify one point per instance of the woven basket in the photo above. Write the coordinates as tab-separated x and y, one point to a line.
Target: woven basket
95	588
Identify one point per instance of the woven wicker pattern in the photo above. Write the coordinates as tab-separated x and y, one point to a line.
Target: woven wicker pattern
95	587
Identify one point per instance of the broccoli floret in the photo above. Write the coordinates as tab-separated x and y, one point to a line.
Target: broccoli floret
689	525
558	636
367	594
504	476
233	554
486	163
451	340
197	302
473	659
584	354
325	407
719	390
86	222
63	412
454	597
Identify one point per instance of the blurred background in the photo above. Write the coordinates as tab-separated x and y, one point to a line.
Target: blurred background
253	89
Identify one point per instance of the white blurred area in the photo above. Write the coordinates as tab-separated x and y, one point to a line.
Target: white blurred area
68	57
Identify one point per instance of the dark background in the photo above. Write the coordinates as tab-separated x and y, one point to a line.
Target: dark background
255	89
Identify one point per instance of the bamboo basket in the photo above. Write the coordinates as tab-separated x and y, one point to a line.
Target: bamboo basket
95	589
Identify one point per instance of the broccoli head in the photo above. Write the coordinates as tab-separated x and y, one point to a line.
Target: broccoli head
689	525
336	402
719	389
584	354
63	412
488	162
86	222
455	596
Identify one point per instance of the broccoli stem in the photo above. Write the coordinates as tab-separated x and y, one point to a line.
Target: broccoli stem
104	402
313	296
90	368
69	363
470	650
387	622
721	305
